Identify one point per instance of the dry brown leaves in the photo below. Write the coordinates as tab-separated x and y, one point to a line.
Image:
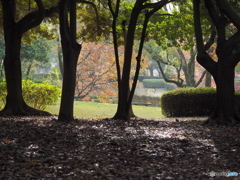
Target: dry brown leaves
43	148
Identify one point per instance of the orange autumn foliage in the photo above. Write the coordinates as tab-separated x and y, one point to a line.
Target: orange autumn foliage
96	71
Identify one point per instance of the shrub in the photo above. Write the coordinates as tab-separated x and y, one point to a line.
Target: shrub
155	101
37	95
154	83
141	78
169	86
188	102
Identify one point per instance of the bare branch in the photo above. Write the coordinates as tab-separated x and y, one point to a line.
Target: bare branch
201	78
179	82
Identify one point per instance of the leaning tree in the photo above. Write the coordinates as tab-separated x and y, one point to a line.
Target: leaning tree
223	16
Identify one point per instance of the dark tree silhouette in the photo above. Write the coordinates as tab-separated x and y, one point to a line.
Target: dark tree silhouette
13	32
125	97
71	50
221	14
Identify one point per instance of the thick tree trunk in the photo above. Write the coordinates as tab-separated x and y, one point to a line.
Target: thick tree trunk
119	113
69	82
71	50
123	106
226	112
15	104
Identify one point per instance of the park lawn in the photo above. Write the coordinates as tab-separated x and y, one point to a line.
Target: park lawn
91	110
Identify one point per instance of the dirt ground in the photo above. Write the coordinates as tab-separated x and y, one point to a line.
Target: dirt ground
43	148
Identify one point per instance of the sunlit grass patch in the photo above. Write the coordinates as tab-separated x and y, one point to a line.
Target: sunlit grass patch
86	110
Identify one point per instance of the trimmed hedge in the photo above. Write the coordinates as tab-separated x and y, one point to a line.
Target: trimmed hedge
155	101
157	83
154	83
188	102
37	95
141	78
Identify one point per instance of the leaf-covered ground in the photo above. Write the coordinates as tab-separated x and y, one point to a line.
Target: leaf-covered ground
43	148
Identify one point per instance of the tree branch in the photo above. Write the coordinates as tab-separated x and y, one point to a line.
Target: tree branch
201	78
63	16
179	83
96	12
197	26
32	19
218	21
211	39
203	58
230	12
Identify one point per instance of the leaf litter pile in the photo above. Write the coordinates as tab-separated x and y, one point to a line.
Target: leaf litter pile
44	148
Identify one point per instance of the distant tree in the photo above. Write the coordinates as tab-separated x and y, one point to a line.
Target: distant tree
2	55
95	70
35	54
178	63
96	73
223	16
182	41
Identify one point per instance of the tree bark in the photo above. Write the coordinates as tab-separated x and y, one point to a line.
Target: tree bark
227	51
115	42
71	50
15	104
226	112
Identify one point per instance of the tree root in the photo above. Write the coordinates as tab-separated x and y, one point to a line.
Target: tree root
216	119
64	118
24	110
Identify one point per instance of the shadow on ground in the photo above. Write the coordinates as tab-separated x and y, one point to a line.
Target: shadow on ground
41	148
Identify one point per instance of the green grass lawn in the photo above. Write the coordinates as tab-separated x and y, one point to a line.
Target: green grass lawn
91	110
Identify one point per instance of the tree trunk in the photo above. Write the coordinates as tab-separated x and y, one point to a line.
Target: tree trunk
208	80
226	112
227	51
123	107
60	58
29	70
119	113
15	104
60	61
69	82
71	50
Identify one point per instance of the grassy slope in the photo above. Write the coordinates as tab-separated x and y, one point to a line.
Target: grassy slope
87	110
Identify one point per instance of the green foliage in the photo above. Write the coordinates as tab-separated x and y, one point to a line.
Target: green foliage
154	83
157	83
155	101
37	95
169	86
53	77
188	102
35	55
141	78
